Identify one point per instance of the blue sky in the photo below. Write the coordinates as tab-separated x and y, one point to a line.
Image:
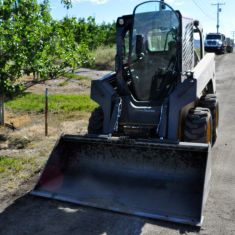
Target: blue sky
109	10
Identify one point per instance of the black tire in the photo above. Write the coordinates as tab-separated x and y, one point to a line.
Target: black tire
229	49
210	101
95	125
198	126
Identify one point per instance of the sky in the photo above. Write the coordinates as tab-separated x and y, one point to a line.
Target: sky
109	10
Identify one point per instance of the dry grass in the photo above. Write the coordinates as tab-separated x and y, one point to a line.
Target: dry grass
18	121
31	126
104	58
27	149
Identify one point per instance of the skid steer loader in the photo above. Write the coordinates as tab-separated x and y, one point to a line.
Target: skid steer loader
147	151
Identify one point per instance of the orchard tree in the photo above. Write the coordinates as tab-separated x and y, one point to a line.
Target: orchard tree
93	35
30	43
11	58
61	51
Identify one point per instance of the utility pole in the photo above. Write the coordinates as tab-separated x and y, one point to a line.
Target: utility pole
233	33
218	11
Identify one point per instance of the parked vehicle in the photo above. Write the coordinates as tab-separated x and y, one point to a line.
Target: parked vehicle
215	42
230	45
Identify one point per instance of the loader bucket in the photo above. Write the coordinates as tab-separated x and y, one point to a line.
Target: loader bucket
145	178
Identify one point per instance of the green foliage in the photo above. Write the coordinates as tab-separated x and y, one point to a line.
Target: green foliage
19	36
67	3
13	165
57	103
31	42
61	50
94	35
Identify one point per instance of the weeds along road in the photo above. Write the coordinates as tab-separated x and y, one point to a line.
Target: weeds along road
32	215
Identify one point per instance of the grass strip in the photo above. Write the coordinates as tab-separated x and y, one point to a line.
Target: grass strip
11	165
76	76
30	102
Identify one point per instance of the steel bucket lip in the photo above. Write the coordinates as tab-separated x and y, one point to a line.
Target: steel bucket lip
67	199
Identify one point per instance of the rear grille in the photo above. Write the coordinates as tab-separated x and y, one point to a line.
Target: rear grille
187	45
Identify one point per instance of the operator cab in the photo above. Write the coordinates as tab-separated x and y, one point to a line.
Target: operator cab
153	53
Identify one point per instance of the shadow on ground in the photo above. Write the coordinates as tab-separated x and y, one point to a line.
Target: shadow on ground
33	215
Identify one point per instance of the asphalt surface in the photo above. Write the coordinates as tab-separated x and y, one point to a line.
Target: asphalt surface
32	215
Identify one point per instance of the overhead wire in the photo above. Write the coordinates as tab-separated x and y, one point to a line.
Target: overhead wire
199	7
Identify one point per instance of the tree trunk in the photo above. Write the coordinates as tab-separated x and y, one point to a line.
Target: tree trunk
2	121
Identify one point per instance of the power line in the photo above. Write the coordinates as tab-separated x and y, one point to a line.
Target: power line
200	8
218	11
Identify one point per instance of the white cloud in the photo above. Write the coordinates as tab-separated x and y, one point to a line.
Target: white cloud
179	3
93	1
170	1
176	2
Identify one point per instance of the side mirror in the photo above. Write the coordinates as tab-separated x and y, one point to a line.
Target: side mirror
139	48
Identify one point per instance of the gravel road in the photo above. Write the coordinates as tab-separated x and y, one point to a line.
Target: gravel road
32	215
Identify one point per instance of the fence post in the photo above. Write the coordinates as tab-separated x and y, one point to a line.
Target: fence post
46	112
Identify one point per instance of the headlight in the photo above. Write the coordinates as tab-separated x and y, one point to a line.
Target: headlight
121	21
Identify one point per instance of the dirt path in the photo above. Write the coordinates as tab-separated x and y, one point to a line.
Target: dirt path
32	215
65	85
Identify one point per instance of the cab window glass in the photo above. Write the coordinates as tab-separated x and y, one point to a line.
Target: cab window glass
158	40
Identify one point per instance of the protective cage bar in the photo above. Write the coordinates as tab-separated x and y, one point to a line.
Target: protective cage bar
144	178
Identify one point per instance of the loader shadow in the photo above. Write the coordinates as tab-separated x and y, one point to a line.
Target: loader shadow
33	215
